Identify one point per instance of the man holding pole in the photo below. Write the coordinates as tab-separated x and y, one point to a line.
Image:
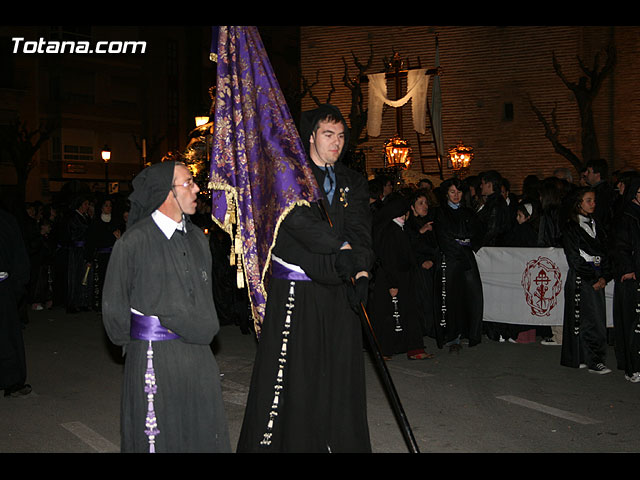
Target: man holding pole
307	391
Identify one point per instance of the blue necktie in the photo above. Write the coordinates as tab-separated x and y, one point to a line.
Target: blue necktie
329	182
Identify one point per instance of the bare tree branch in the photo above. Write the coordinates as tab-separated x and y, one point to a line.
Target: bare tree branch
552	133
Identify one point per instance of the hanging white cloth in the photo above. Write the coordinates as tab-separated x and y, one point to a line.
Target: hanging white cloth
417	85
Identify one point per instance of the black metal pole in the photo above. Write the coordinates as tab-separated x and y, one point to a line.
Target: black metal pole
388	382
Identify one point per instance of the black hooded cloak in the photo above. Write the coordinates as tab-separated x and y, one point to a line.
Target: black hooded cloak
169	279
395	319
584	336
626	297
320	403
460	300
14	276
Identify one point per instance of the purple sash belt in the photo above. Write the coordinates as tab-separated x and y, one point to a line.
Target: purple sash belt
149	328
104	250
284	273
79	243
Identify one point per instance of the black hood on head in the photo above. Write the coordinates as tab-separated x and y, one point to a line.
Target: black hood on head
396	206
150	189
310	119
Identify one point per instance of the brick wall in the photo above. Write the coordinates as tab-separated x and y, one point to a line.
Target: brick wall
484	69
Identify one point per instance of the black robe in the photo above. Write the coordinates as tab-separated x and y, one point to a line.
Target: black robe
584	336
14	276
424	247
461	302
626	296
322	403
395	320
168	278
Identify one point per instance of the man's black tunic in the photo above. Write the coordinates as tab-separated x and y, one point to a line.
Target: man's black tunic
321	401
168	278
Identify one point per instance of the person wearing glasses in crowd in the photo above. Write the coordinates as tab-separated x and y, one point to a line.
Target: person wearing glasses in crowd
158	305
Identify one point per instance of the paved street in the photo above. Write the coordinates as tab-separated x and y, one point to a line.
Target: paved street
495	397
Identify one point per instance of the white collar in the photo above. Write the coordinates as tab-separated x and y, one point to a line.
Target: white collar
588	225
399	221
166	224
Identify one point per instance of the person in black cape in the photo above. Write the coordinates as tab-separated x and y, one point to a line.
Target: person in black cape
493	222
315	401
523	234
584	342
626	296
394	309
157	304
460	303
423	244
14	277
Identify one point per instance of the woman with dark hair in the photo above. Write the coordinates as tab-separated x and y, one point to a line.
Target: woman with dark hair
553	199
626	295
551	202
530	189
460	303
394	314
584	343
471	196
423	243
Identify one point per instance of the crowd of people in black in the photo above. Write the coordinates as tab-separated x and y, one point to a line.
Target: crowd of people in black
426	281
68	247
69	243
52	255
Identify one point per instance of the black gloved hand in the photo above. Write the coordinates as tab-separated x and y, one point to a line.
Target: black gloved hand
358	293
345	264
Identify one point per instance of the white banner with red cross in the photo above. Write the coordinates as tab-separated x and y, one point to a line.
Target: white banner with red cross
525	286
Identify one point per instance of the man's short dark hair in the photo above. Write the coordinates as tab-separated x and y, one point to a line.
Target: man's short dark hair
599	165
329	117
492	177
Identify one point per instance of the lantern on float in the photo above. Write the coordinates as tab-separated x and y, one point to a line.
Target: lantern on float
397	152
460	156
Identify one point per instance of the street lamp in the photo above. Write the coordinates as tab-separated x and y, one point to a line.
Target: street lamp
106	156
397	152
461	156
202	120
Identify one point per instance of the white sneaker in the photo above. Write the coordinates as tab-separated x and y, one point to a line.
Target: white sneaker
634	378
583	365
600	369
549	341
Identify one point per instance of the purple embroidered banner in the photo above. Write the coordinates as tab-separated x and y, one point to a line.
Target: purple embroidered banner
259	170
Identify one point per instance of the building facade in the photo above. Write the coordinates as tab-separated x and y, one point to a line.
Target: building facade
490	76
138	97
